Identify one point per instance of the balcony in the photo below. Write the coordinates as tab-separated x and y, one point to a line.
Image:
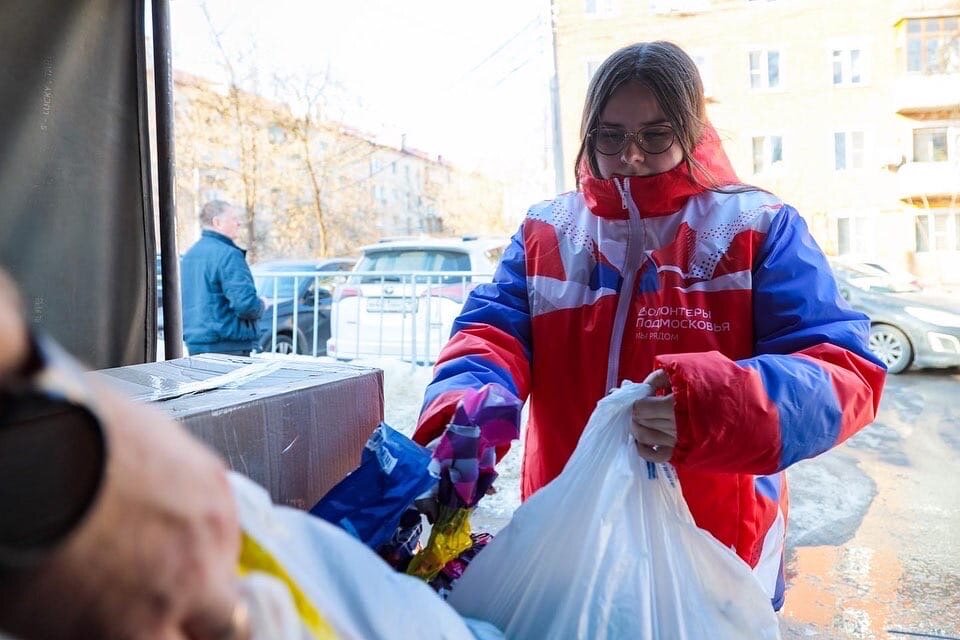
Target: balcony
924	7
935	95
928	181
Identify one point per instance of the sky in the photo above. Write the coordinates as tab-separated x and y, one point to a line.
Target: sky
466	80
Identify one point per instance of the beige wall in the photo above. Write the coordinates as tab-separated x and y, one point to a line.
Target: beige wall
805	110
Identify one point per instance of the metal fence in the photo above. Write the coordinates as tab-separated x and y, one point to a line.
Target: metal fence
406	315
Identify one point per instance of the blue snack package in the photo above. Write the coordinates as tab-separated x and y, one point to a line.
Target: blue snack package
368	502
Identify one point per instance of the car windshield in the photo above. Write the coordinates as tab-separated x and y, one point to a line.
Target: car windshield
265	286
264	280
408	260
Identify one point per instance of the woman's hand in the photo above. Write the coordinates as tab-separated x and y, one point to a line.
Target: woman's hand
654	421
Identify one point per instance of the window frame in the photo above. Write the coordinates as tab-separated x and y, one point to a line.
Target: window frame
846	49
849	150
764	68
705	69
767	151
591	65
950	233
862	231
946	142
923	38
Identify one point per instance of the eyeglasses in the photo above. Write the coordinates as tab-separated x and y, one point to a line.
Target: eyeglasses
655	139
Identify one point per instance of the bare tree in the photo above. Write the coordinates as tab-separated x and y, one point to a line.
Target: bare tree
310	98
236	108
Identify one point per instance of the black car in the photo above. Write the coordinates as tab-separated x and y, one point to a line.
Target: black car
301	285
908	325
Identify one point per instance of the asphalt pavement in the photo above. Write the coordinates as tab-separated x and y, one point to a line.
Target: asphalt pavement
874	535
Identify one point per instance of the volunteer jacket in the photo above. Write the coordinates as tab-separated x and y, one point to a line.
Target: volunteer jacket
727	292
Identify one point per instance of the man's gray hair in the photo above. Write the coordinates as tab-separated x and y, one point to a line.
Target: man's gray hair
213	209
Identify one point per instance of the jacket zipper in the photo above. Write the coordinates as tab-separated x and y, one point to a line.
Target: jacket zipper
631	265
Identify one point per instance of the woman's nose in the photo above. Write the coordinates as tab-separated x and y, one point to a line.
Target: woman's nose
632	153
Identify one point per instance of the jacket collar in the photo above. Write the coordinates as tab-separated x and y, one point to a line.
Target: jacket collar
663	193
216	235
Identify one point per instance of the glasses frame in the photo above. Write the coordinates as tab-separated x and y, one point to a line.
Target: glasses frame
636	137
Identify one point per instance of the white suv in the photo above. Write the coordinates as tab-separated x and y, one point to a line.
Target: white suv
403	296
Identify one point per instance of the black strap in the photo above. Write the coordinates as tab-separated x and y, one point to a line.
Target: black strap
52	459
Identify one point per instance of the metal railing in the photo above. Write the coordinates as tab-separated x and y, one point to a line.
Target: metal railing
407	315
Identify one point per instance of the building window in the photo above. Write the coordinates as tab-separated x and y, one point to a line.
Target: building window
276	134
921	228
764	69
933	45
766	151
702	60
375	166
937	232
941	232
598	7
847	150
930	144
847	66
856	234
843	236
592	66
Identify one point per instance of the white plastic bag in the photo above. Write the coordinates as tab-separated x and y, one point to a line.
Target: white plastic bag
333	585
609	550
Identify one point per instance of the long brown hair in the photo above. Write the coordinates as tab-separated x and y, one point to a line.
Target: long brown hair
672	76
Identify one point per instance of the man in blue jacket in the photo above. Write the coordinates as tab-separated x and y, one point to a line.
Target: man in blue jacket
220	302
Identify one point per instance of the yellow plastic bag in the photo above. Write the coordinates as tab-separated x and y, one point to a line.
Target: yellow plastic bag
449	538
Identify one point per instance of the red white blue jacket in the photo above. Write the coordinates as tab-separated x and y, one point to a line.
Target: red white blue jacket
727	292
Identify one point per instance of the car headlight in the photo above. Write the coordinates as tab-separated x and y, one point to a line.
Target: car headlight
935	316
942	343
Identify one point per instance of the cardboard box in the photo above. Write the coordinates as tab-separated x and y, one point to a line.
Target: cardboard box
296	426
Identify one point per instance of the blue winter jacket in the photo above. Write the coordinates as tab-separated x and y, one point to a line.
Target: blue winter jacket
220	302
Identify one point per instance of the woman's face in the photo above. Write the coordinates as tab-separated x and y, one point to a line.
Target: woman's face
630	109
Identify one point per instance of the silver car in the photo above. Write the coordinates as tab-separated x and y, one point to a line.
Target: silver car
908	325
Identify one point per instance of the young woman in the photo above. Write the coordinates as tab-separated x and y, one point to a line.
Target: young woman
663	266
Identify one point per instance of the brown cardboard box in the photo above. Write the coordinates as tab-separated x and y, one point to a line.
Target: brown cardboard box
295	426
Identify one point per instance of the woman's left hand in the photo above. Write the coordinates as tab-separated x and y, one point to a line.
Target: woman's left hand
655	422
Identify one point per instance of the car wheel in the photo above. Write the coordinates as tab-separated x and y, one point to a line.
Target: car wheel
891	346
284	345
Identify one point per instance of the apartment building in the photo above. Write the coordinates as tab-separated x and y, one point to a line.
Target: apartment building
310	186
849	110
416	192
